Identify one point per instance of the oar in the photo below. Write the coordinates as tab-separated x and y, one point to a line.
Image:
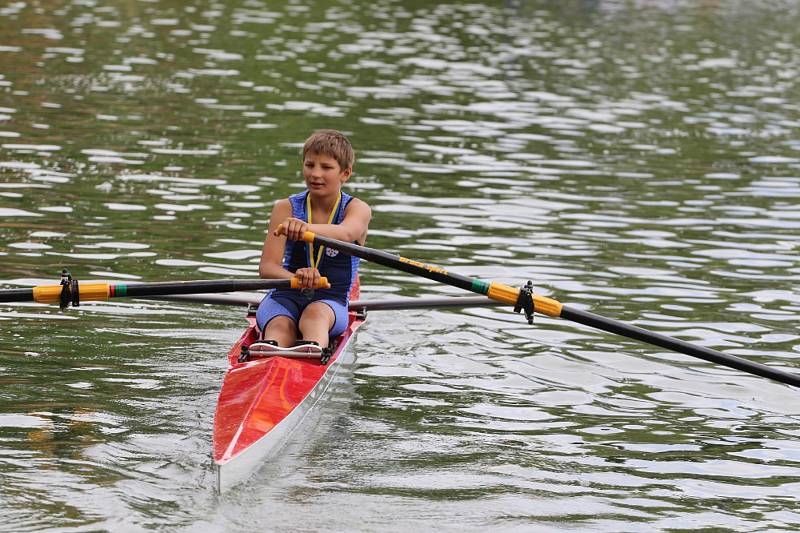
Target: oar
525	300
70	291
386	304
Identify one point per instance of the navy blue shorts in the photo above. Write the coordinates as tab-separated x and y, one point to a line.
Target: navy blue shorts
293	304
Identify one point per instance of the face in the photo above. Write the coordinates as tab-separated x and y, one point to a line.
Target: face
323	174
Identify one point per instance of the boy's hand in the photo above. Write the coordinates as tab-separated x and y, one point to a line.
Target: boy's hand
293	228
308	277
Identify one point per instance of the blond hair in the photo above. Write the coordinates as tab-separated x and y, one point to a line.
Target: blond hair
333	144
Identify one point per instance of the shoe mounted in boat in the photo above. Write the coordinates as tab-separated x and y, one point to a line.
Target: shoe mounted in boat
257	348
301	350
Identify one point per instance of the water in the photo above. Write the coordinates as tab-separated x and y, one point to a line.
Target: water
638	159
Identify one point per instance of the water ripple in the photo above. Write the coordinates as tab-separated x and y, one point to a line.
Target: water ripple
652	183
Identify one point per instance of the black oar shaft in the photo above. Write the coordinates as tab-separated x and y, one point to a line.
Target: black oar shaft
194	287
401	263
16	295
104	291
677	345
495	291
554	308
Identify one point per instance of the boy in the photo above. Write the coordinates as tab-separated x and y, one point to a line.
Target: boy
286	316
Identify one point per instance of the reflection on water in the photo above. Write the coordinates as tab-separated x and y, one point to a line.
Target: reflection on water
635	158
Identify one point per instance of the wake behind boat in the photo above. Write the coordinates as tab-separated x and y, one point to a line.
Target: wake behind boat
264	399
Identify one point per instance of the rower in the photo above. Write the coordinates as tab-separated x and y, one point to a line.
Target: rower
304	322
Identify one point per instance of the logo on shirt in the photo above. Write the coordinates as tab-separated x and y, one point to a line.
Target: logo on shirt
330	252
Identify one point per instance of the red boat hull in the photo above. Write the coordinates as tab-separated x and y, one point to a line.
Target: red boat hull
263	400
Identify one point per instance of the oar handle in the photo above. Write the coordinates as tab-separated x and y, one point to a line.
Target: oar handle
321	284
308	236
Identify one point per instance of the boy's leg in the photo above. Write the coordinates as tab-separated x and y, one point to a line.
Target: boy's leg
316	323
276	318
282	330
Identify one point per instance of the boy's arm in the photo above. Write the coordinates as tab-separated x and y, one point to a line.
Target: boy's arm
271	264
352	229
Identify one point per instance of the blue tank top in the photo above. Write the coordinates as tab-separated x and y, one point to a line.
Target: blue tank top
338	267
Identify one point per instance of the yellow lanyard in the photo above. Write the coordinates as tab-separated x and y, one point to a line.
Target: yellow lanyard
310	246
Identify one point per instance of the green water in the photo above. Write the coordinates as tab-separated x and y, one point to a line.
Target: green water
637	159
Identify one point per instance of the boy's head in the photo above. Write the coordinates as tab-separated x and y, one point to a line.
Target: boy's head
332	144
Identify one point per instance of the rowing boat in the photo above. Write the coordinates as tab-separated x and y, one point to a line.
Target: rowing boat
263	400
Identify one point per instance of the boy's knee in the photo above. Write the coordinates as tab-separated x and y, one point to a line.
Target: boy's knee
318	311
316	316
282	324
